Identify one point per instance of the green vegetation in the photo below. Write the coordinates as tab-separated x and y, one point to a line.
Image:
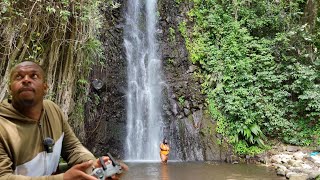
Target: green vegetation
259	61
172	35
260	65
181	100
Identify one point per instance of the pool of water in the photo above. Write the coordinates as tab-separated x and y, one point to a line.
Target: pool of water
198	171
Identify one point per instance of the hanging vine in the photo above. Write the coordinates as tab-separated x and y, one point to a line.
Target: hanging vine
61	36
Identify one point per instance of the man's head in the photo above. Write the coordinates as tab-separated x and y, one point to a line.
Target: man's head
27	84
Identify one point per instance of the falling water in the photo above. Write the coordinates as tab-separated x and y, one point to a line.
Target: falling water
144	121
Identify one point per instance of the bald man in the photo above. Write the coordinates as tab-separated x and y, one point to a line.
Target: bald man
34	133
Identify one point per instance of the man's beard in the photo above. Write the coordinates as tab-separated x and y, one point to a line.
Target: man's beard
24	97
27	102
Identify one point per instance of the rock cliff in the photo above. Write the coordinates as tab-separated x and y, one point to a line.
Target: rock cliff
188	126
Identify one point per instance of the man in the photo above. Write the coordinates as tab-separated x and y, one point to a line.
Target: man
34	133
164	151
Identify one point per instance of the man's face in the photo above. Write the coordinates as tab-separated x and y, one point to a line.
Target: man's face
27	84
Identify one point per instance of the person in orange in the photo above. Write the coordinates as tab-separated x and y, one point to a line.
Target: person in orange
164	151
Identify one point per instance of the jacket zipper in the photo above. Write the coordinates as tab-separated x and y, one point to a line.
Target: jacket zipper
45	154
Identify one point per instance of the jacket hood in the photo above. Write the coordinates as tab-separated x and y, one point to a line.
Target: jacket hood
8	111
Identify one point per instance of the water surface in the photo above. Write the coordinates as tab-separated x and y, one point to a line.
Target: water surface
198	171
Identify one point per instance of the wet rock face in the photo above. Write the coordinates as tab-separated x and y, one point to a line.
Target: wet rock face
105	111
188	126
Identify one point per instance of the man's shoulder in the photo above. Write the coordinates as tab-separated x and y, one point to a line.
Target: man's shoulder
48	102
50	105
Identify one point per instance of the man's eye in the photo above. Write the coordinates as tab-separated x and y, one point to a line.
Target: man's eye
18	77
34	76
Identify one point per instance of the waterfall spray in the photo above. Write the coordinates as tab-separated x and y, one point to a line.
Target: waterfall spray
144	121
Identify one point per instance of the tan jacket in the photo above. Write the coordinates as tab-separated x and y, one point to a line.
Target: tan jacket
22	153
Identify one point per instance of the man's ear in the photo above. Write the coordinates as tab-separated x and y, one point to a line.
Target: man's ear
45	88
9	88
9	92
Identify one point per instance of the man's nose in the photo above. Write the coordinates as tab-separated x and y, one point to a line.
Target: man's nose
26	79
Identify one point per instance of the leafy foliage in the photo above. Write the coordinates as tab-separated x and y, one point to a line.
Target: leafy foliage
260	66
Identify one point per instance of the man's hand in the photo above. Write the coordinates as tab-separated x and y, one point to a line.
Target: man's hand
107	161
79	172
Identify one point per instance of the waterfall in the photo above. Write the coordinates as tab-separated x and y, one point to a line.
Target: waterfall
144	121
